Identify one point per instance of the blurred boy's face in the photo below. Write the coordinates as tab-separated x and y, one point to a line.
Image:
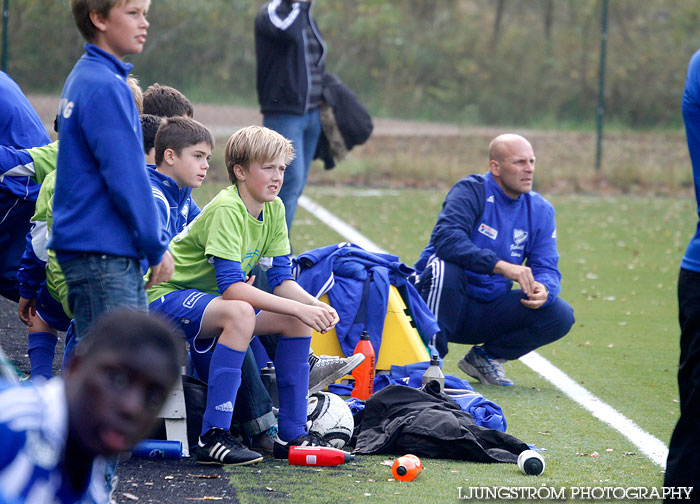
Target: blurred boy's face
189	169
114	397
263	181
124	30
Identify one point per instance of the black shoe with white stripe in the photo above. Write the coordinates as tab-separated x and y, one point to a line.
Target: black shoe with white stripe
280	449
218	446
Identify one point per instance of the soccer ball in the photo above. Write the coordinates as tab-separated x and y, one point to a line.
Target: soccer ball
330	418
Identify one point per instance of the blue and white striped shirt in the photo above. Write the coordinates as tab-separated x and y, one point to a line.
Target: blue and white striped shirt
33	432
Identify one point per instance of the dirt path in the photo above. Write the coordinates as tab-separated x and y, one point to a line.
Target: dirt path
225	119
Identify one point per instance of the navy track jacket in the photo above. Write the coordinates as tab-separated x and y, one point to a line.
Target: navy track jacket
479	225
103	201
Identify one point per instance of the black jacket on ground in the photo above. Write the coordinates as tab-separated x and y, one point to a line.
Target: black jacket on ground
400	419
282	74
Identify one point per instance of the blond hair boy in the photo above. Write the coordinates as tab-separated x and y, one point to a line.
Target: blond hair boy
209	297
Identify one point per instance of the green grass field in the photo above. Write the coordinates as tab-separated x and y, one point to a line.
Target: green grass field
619	260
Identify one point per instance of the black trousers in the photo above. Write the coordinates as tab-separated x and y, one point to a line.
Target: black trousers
683	465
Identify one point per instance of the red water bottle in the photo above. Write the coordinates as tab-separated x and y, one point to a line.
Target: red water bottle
406	468
364	373
318	456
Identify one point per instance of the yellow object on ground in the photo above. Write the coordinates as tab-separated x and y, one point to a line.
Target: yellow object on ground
401	343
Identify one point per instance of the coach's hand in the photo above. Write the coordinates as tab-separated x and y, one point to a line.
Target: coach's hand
27	310
537	298
162	271
517	273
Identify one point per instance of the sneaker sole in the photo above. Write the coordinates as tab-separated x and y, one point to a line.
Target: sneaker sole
334	377
218	462
470	370
467	368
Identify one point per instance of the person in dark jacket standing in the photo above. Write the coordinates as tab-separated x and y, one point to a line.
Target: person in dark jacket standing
290	64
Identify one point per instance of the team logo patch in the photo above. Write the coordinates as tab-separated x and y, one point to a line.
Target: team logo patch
519	236
554	234
192	299
488	231
489	199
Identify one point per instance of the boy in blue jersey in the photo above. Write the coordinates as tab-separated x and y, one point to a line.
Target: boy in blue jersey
182	151
42	303
21	128
489	226
683	465
209	298
55	436
105	219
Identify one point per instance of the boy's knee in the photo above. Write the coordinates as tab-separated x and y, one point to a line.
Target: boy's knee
292	326
240	313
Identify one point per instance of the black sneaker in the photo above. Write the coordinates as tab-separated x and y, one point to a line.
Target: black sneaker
264	442
281	448
218	446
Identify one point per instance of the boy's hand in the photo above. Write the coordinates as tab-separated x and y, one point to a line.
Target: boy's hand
27	310
319	318
162	271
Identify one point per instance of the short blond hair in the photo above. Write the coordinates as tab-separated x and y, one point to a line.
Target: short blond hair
81	14
255	144
136	91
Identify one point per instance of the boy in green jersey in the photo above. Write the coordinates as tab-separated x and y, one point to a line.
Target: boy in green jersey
213	301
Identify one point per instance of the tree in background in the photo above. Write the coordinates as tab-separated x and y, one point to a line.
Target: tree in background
516	62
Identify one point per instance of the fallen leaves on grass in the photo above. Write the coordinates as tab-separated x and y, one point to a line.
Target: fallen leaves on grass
595	454
387	462
204	476
130	496
205	498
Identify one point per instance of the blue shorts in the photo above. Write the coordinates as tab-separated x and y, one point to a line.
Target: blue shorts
185	308
50	310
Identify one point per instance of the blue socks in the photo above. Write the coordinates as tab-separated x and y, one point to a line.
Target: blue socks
224	380
41	347
292	368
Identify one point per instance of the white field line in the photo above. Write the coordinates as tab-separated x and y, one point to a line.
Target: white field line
342	228
648	444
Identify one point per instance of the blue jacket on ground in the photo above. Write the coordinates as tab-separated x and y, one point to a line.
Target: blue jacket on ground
691	117
103	201
175	205
20	127
357	283
479	225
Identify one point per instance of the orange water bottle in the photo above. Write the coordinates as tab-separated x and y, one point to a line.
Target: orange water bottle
364	373
406	468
